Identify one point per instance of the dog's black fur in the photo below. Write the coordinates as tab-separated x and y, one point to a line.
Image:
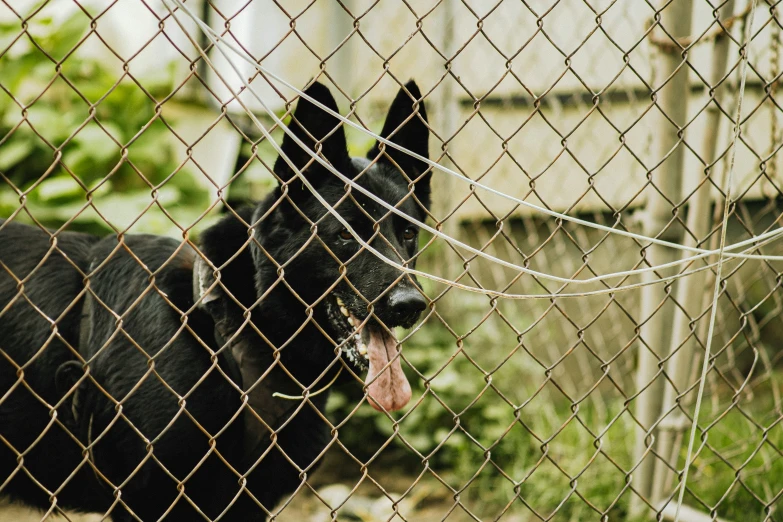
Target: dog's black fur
108	362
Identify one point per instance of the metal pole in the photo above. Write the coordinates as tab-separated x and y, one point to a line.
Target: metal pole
691	292
655	316
445	187
340	66
448	112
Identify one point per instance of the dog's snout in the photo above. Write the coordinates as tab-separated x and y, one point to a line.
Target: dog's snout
406	304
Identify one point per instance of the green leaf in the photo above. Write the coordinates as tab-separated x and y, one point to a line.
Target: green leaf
61	187
95	142
60	41
13	152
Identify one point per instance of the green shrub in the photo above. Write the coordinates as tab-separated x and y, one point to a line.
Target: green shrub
86	141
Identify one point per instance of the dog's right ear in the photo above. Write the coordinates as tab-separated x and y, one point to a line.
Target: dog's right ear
320	131
406	125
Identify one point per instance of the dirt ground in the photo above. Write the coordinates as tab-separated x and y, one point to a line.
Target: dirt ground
334	487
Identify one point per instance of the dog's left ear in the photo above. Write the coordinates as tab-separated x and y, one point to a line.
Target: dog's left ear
315	128
406	125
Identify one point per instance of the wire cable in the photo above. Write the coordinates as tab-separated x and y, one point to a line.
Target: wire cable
217	38
216	41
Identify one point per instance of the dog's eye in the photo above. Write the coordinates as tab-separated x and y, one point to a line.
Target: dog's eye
346	235
409	234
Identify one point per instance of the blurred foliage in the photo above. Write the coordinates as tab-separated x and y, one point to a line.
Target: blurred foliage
739	467
478	442
63	136
549	456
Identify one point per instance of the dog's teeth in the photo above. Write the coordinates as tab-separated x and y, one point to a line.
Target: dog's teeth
344	310
340	303
360	347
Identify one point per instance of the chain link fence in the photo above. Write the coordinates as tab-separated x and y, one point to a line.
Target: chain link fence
555	374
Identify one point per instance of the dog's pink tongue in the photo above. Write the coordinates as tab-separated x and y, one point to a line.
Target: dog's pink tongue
388	390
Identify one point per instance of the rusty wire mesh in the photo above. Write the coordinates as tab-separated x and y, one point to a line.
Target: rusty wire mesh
618	112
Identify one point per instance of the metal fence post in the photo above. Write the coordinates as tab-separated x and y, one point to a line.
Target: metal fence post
446	112
691	292
340	26
675	18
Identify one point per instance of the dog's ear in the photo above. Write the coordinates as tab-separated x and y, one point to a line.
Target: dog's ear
320	131
406	125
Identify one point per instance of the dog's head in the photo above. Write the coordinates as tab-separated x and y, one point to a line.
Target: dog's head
357	298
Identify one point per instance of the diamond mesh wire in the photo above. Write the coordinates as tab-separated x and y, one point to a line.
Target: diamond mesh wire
524	409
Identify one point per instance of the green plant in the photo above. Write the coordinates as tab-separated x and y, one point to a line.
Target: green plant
85	141
550	456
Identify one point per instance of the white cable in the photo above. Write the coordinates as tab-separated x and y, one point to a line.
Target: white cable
216	38
768	235
719	270
210	34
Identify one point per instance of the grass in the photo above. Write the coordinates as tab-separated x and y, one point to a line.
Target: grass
552	458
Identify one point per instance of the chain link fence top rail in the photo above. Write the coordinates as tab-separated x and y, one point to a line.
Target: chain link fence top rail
600	207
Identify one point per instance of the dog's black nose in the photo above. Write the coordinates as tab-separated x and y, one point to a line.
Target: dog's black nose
406	304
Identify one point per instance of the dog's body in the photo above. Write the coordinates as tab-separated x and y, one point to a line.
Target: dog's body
130	386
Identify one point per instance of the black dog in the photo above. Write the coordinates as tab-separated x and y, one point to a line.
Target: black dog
150	388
